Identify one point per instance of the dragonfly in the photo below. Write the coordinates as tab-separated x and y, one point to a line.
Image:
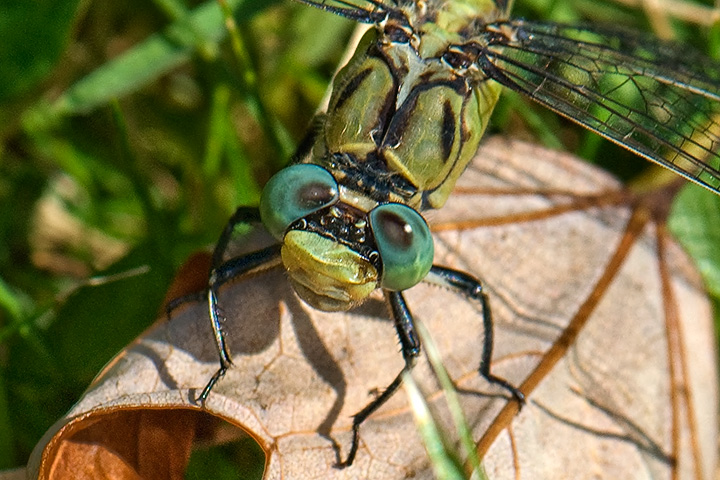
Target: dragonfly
405	117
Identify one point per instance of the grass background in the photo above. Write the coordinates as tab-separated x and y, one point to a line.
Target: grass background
129	131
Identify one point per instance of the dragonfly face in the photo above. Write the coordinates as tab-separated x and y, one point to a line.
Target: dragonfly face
336	249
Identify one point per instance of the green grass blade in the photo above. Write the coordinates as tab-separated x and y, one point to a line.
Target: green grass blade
145	62
453	402
444	462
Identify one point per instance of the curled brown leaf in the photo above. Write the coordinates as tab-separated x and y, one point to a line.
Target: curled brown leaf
599	318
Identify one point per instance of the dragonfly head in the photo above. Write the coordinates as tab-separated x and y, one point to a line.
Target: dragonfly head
335	253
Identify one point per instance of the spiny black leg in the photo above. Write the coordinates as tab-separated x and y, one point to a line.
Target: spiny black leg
177	302
308	141
486	357
219	335
231	269
472	287
221	273
410	344
243	215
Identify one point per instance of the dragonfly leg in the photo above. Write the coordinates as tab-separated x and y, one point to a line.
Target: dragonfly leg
471	287
176	303
410	345
233	268
308	141
242	216
222	272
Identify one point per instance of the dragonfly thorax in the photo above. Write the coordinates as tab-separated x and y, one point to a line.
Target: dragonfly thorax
399	113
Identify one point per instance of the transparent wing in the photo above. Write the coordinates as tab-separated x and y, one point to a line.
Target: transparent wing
654	98
378	11
363	11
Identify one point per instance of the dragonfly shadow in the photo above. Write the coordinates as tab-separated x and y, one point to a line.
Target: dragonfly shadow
251	318
631	432
256	309
321	359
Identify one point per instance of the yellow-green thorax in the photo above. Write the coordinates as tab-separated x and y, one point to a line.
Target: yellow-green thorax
400	105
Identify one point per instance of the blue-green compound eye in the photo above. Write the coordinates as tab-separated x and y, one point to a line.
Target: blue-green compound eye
293	193
405	245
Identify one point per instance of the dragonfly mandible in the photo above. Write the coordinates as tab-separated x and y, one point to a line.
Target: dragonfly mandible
406	116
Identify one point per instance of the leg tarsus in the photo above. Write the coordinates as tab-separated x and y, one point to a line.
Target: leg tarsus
213	380
488	343
410	343
224	356
369	409
515	392
470	286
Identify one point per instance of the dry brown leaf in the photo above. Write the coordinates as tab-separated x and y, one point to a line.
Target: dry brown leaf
598	316
14	474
